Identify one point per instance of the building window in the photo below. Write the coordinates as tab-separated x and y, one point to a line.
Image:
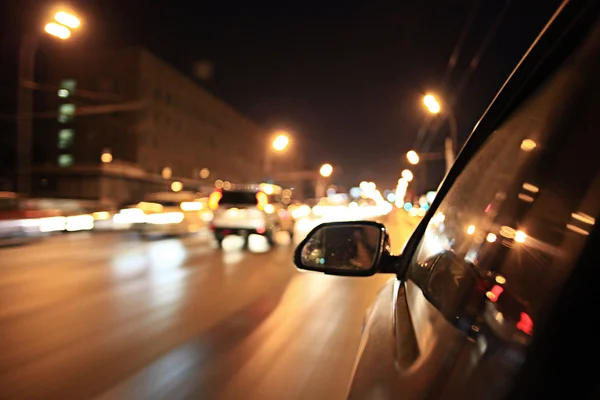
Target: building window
66	112
65	160
65	138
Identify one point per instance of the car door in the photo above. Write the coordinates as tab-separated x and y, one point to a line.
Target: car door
485	267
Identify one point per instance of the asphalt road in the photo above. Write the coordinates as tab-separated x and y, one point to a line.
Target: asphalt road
106	315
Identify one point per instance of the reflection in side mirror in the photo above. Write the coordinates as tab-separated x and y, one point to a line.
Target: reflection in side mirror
343	248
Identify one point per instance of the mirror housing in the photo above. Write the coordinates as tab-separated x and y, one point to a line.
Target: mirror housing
353	248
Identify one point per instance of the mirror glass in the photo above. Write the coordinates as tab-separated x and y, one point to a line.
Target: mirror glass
347	246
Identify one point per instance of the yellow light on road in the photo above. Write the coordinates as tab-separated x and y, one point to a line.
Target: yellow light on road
326	170
106	158
66	19
60	31
176	186
407	175
412	157
281	142
204	173
471	229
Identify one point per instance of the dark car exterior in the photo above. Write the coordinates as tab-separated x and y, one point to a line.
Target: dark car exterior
479	300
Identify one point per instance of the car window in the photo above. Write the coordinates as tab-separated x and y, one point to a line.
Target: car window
511	228
238	197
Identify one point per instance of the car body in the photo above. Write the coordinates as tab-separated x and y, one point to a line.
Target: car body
244	210
167	214
487	290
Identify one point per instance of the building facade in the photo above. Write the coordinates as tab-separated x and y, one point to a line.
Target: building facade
127	123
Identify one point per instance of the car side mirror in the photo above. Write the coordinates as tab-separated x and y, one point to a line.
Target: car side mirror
356	248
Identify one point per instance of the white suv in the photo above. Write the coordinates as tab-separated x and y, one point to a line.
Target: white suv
249	209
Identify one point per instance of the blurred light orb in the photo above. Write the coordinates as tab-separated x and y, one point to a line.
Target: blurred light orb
204	173
281	142
412	157
406	174
176	186
166	173
326	170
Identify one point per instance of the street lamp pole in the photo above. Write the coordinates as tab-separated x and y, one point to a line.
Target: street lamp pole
324	173
61	28
280	143
26	80
451	142
268	163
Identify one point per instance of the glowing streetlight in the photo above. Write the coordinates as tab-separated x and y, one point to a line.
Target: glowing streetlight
412	157
406	174
60	28
67	19
326	170
106	157
451	143
432	104
281	142
57	30
204	173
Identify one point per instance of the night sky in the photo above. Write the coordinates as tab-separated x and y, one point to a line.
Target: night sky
347	82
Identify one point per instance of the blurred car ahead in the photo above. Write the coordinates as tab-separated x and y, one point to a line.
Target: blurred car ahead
166	214
244	210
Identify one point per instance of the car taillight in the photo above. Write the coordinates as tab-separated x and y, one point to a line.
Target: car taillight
213	200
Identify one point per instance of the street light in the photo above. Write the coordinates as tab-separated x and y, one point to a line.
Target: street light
432	104
412	157
60	31
407	175
61	27
451	143
326	170
67	19
279	144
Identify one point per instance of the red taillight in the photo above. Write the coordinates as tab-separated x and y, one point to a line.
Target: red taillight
525	324
213	200
494	293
